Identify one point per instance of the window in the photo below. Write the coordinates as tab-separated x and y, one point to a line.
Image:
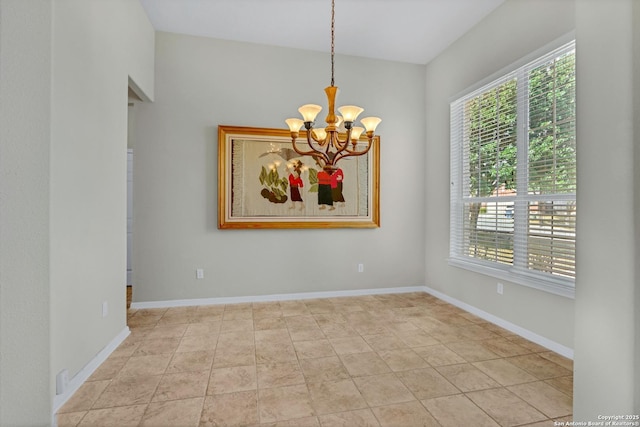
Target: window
513	175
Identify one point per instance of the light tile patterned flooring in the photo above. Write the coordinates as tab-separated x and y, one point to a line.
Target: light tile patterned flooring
386	360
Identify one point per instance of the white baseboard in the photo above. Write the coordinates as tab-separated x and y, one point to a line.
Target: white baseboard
85	373
276	297
74	383
525	333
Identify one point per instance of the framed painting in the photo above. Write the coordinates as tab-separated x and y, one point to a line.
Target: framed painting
264	183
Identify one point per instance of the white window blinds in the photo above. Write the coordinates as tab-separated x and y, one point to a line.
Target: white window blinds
513	175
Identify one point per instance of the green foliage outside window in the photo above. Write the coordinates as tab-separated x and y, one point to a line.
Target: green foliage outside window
552	144
490	166
492	140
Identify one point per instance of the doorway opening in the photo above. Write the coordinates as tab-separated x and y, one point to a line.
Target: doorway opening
129	225
135	96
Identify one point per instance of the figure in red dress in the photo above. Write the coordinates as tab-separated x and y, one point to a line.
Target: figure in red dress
324	190
295	184
336	188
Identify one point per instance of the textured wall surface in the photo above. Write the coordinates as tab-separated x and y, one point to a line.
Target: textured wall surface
98	47
606	354
510	33
25	87
202	83
64	71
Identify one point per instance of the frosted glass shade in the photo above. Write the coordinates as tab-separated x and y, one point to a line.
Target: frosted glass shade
370	123
350	112
309	112
320	134
356	131
294	124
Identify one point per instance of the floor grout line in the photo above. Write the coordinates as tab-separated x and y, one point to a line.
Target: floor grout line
374	316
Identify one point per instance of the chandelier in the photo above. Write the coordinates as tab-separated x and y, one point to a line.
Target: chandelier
339	139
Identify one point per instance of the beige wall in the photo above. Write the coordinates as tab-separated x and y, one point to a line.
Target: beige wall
605	338
25	87
601	324
66	67
510	33
203	83
97	47
636	210
62	183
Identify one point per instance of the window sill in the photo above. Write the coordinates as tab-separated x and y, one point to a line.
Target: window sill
556	286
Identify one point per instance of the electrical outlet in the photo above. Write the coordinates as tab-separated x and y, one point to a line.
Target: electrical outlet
360	268
500	288
105	308
199	273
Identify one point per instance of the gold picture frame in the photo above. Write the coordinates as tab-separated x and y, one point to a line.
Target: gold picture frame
264	183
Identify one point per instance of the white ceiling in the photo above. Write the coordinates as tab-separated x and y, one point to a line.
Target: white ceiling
412	31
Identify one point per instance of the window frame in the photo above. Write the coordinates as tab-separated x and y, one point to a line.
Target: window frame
516	272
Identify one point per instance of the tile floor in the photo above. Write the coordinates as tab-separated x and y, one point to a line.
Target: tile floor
387	360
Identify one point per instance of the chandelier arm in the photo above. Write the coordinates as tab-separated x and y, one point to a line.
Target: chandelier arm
338	145
311	139
320	143
349	153
341	145
339	151
357	152
332	142
344	155
328	151
313	152
340	156
320	160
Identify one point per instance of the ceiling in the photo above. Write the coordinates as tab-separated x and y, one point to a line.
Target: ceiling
413	31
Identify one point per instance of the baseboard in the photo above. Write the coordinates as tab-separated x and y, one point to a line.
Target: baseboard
85	373
525	333
275	297
78	379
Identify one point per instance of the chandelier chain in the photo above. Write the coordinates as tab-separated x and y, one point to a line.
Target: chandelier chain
333	18
329	145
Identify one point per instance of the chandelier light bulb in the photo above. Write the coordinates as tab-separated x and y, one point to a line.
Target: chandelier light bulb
339	139
309	112
294	124
371	123
356	131
320	134
350	112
